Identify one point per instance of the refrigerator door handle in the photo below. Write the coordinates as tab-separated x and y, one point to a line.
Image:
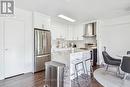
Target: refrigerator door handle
44	55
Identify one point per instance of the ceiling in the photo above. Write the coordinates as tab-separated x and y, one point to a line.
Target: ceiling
80	10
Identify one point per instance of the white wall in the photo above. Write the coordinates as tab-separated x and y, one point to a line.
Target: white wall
114	34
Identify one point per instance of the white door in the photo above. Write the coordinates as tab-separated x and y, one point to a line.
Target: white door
14	47
1	51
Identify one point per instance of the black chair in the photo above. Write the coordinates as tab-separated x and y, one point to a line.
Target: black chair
125	66
111	61
128	52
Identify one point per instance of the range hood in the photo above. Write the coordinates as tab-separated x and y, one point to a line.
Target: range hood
89	30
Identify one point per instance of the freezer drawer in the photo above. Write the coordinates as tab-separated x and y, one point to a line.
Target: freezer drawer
40	62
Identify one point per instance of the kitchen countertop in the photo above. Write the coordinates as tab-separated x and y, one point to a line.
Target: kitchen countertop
64	56
73	50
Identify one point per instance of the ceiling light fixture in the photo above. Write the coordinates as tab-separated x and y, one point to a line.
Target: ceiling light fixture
66	18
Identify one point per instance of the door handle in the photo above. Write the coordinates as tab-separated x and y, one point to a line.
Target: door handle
3	49
6	49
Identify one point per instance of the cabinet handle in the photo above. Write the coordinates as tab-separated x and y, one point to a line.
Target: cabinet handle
44	55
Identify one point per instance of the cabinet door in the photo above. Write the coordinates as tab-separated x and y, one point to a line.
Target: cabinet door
57	30
79	32
14	47
69	32
41	21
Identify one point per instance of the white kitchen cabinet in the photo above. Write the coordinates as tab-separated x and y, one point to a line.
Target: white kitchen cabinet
57	30
69	33
41	21
78	35
16	44
74	32
66	31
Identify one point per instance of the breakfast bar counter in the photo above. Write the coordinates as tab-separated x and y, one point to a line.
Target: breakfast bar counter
69	58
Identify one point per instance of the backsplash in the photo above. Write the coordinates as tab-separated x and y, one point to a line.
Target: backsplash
79	43
90	40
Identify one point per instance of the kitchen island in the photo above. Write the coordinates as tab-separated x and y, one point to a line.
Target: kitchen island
69	58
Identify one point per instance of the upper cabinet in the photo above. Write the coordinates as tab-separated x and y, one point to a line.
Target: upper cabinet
66	31
69	32
58	29
41	21
62	30
78	35
74	32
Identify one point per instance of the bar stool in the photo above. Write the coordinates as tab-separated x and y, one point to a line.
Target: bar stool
91	68
80	63
76	63
76	69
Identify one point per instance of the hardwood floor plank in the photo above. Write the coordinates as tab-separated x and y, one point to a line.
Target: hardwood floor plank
33	80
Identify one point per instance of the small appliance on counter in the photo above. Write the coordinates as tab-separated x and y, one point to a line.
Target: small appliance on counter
60	42
73	45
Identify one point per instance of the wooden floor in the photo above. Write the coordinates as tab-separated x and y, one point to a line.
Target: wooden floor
33	80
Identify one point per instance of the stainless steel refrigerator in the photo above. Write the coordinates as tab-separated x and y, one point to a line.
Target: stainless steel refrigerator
42	45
